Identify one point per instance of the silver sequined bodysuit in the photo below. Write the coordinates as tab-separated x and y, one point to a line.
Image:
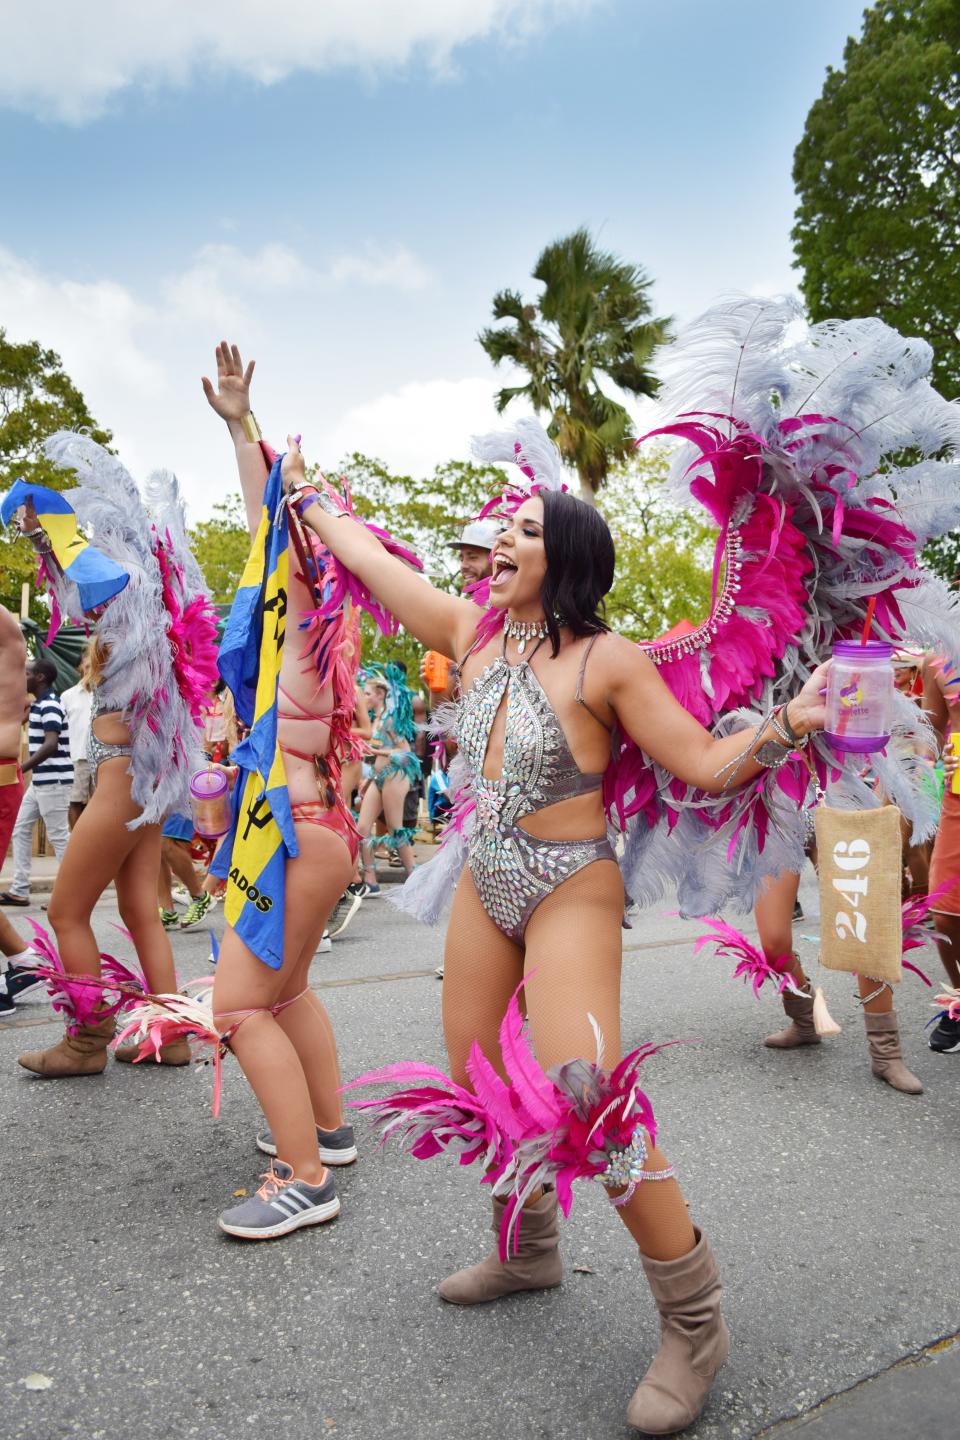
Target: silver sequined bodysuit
513	870
100	750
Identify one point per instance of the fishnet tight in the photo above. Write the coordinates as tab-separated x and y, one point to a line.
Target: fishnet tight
571	960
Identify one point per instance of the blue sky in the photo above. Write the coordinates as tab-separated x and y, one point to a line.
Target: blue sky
343	187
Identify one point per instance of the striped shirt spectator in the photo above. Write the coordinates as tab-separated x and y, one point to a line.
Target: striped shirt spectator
46	715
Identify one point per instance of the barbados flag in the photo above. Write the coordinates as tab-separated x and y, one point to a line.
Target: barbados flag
253	857
96	578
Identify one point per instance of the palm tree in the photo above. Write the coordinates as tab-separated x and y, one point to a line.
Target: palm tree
592	320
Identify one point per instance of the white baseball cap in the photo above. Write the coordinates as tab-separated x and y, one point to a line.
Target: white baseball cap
481	534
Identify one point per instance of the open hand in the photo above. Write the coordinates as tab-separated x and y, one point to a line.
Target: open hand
231	398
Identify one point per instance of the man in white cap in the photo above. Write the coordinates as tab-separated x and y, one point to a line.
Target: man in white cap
475	544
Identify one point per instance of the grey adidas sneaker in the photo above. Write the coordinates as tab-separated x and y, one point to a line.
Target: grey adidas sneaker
281	1204
337	1147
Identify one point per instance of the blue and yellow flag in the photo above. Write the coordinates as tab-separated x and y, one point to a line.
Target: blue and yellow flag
253	858
96	578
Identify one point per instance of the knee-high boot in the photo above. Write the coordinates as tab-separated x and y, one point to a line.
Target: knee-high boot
886	1055
535	1266
694	1341
84	1052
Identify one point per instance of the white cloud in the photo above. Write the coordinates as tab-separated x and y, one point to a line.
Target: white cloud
68	61
223	283
138	362
394	270
417	426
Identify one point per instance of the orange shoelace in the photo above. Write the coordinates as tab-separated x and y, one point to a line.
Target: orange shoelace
272	1184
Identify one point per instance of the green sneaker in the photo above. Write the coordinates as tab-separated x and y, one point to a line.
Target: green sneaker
169	919
196	910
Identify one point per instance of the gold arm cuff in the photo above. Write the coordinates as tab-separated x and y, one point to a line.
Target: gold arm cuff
250	428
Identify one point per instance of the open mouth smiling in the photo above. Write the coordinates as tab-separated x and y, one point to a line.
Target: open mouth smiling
503	568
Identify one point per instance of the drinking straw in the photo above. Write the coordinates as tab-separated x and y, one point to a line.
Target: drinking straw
868	622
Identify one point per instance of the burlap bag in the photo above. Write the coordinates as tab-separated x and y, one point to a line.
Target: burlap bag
860	866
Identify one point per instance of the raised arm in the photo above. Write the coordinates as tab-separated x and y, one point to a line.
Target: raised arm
439	621
659	724
231	401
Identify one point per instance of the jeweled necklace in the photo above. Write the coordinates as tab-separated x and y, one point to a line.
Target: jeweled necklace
524	630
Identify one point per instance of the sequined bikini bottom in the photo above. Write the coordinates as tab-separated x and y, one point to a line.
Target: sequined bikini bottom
513	871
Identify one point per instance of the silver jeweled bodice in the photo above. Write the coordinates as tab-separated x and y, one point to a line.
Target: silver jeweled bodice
513	870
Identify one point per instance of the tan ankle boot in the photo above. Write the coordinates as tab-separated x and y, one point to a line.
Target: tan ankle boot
801	1030
694	1342
886	1056
84	1053
535	1266
176	1053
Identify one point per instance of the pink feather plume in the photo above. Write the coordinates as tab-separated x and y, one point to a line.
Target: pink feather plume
530	1129
752	964
83	999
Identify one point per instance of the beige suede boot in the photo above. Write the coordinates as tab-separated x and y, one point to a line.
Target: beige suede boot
535	1266
84	1053
176	1053
694	1342
886	1056
801	1030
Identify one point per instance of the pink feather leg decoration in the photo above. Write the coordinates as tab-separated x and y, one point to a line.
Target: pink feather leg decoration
162	1019
752	964
916	930
530	1129
83	999
949	1003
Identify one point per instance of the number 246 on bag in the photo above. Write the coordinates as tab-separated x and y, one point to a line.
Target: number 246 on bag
859	858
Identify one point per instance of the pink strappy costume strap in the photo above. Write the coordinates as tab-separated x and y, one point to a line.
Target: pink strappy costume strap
245	1015
326	716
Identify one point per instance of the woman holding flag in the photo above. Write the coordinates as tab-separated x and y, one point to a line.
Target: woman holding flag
294	847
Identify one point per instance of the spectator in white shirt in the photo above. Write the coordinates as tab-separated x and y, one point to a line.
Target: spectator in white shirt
77	702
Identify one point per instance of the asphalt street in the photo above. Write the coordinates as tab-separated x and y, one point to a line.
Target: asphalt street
831	1202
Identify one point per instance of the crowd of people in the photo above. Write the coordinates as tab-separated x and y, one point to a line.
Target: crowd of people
574	775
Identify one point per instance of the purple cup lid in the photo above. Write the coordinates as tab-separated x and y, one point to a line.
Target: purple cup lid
874	650
207	784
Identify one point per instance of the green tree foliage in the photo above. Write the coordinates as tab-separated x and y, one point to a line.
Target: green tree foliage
37	397
221	546
942	556
664	556
591	322
878	224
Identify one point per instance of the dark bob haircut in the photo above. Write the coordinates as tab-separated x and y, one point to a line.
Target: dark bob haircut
580	565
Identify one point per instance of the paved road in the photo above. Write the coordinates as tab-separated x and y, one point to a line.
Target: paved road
831	1202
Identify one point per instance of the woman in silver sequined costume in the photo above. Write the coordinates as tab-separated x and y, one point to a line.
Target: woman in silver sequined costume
541	899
